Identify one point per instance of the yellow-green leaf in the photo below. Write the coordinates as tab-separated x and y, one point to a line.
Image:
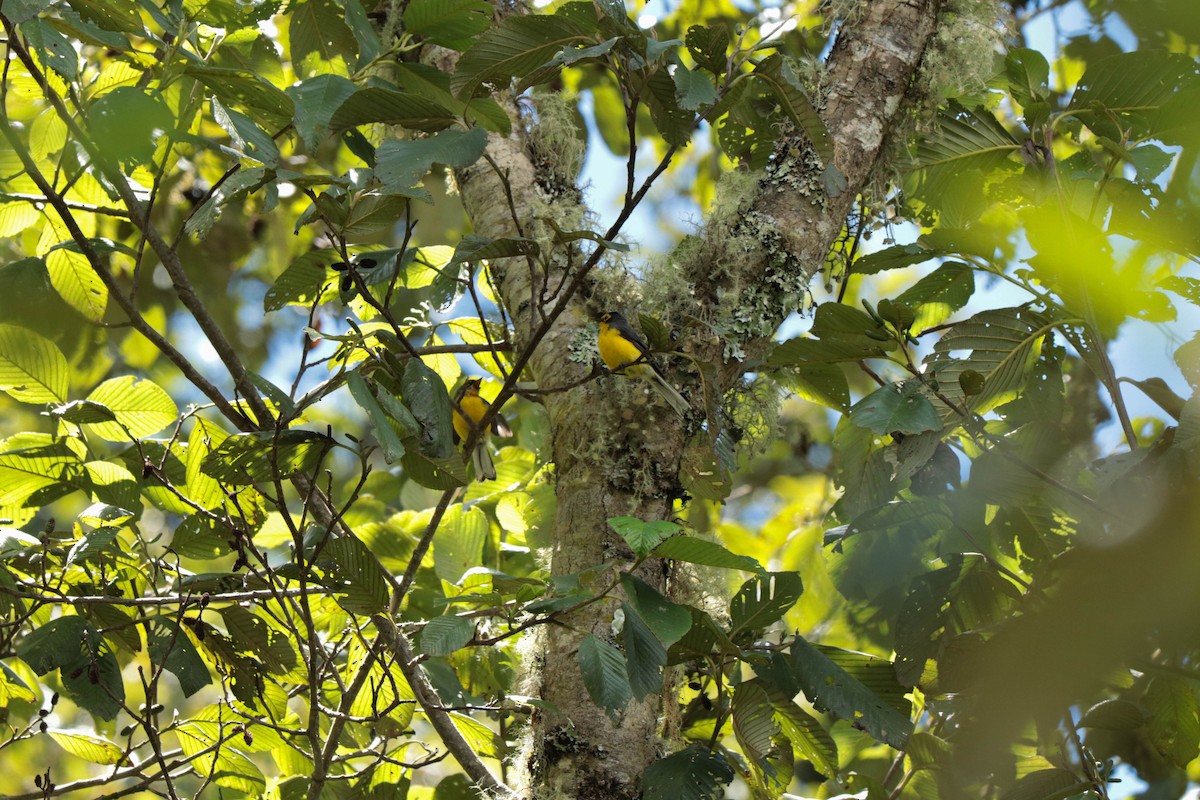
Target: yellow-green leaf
141	407
32	369
95	749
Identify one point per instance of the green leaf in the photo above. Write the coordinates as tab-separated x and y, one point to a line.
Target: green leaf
451	23
1132	84
753	719
306	279
141	408
962	141
1045	783
53	645
433	84
805	733
709	46
894	257
831	688
1003	343
390	107
427	398
1114	715
818	383
473	247
669	621
251	633
896	409
127	122
673	122
776	74
401	164
927	751
518	45
317	100
603	669
51	46
459	544
32	369
694	773
354	573
1174	724
641	535
95	749
31	463
213	758
246	458
244	89
693	89
389	441
317	27
441	636
645	655
701	551
939	294
171	648
248	138
763	600
1028	73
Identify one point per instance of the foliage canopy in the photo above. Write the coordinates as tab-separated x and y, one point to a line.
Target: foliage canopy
242	555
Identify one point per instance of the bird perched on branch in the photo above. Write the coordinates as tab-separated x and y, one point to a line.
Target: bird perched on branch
624	351
469	409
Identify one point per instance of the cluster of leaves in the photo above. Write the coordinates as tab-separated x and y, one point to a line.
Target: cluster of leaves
278	577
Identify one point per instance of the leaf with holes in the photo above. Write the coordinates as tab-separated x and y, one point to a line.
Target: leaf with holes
763	600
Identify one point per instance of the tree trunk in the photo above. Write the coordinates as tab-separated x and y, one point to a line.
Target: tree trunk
615	457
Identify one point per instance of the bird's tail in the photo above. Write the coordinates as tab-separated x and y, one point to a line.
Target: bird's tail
481	459
671	394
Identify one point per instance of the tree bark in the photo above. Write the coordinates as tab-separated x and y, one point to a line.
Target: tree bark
616	457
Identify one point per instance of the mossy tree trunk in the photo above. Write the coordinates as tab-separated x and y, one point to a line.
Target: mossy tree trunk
612	460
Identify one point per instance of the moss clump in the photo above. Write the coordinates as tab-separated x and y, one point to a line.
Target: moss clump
557	143
955	64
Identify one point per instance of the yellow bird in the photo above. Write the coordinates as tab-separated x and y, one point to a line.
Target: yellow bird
624	351
468	402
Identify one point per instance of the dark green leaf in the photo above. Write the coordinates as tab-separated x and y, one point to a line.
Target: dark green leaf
400	164
693	89
939	294
1028	73
818	383
441	636
753	719
763	600
127	123
515	47
603	670
388	439
669	621
427	398
645	655
894	257
387	106
1114	715
695	773
248	139
477	248
317	28
354	573
776	74
831	688
246	458
892	408
708	46
51	46
171	648
701	551
54	644
243	89
452	23
317	100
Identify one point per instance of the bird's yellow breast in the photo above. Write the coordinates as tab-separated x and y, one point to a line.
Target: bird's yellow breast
474	407
615	349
